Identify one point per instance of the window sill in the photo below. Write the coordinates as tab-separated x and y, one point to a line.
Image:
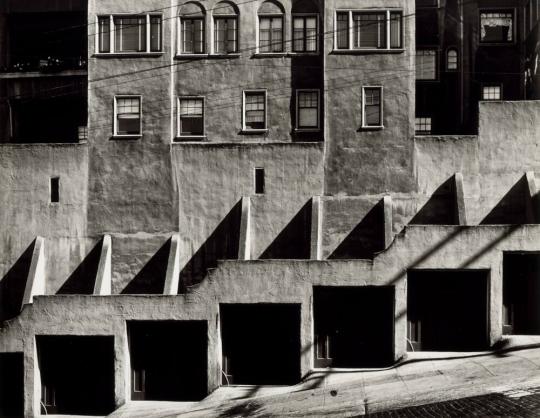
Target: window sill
127	54
190	56
300	130
231	55
128	137
181	138
367	51
269	55
302	54
253	131
371	128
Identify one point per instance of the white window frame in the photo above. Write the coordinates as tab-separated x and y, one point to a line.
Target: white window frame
178	121
257	33
236	17
381	110
515	23
180	37
488	85
423	132
251	130
448	51
301	129
112	30
350	13
115	124
317	35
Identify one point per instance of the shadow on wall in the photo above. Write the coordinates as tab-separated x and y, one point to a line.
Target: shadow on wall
441	208
515	208
13	285
83	279
294	241
151	278
366	239
222	244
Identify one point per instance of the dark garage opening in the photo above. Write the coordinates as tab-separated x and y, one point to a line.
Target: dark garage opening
354	326
521	293
11	385
261	343
77	374
447	310
168	360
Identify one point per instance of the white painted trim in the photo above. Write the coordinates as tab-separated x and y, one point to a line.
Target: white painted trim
115	122
381	112
178	133
244	129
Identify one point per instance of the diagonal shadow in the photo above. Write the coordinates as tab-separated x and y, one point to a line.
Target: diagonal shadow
512	208
13	285
83	279
366	239
294	241
151	278
441	208
222	244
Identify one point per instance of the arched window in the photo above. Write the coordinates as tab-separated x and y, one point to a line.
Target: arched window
192	22
271	27
452	59
225	28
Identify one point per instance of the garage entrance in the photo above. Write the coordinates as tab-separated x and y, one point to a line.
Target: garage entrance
261	344
77	374
168	360
521	293
354	326
447	310
11	385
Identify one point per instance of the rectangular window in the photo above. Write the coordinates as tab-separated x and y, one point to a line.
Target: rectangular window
191	116
254	110
492	92
307	109
127	116
370	29
193	36
225	35
129	34
305	33
82	133
55	189
372	108
422	125
497	26
426	64
270	34
259	180
139	380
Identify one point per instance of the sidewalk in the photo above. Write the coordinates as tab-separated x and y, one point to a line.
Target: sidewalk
420	379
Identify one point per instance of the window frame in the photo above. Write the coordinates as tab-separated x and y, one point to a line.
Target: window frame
217	17
511	10
381	107
388	34
304	38
180	36
436	76
448	51
419	132
487	85
258	33
115	123
299	128
178	119
254	130
112	30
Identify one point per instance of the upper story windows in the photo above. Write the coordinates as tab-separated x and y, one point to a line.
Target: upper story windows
452	61
127	116
129	34
496	26
190	116
271	25
368	30
372	107
192	29
426	64
254	111
305	29
225	28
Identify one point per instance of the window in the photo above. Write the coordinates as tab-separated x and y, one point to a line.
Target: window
127	121
426	64
372	108
422	125
496	26
259	180
270	27
452	59
307	109
305	33
192	33
225	29
254	110
82	133
55	189
129	34
191	116
493	92
342	29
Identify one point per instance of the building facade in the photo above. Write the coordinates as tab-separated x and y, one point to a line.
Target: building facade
213	193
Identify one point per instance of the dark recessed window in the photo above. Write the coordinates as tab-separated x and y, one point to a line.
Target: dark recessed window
259	180
497	26
55	189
